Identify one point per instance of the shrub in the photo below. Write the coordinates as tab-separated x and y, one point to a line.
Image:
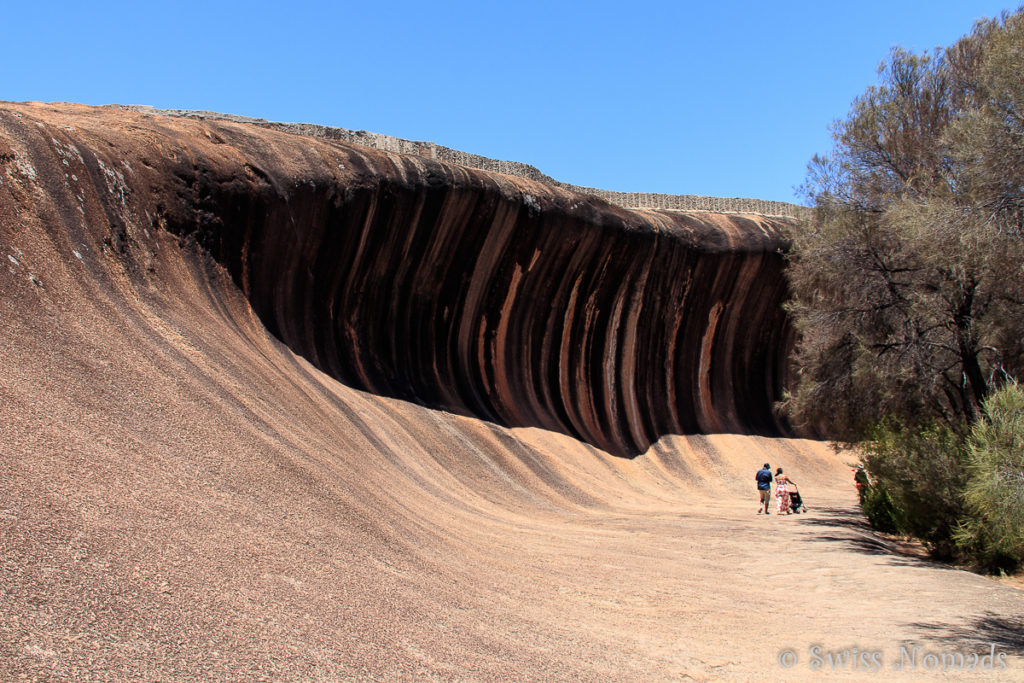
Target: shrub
917	481
879	509
992	532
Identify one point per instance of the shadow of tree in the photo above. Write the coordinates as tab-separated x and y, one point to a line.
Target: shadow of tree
862	544
1006	633
845	517
848	526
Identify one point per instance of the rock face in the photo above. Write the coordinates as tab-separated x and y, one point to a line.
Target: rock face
470	291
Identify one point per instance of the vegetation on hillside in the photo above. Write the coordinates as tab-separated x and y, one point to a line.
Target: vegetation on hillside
908	292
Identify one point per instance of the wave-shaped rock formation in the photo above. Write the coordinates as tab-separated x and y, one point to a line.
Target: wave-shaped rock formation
475	292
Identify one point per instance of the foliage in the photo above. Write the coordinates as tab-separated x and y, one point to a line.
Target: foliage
963	495
988	139
908	294
880	510
917	479
993	532
908	284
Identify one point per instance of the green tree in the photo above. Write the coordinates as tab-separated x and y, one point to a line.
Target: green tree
908	284
988	140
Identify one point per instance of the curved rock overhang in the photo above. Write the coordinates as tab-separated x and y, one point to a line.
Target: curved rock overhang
465	290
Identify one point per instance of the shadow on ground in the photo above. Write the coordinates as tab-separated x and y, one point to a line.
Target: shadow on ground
848	526
1007	634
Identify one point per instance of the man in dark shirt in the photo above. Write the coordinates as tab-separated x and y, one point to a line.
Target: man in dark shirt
764	487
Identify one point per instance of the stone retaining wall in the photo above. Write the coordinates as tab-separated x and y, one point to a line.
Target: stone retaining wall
430	150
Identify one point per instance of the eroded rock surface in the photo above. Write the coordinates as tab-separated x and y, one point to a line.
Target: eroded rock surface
476	292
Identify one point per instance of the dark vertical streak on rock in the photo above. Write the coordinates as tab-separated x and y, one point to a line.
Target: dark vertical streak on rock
460	289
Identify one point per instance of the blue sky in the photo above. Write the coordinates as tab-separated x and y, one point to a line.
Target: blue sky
712	98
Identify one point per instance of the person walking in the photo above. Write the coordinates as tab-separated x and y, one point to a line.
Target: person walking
764	488
781	493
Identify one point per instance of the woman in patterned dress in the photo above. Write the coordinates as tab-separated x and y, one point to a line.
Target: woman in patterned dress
781	493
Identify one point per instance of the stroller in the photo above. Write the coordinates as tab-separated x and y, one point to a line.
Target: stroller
796	503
